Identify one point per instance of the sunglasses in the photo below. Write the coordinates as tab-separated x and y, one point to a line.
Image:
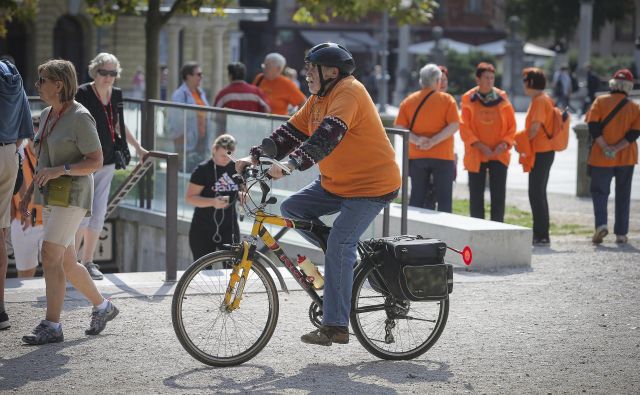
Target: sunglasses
108	73
41	80
198	74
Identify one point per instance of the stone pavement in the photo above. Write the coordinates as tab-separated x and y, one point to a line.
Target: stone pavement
570	324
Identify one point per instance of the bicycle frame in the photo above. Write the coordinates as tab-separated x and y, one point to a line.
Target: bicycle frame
249	248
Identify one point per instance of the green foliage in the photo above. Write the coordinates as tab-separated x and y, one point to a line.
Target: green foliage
605	66
559	19
403	11
18	9
462	70
105	12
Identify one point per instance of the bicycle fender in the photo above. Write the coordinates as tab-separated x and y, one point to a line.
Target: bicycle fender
263	258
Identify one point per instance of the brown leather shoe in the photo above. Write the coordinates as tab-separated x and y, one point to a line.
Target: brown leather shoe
327	335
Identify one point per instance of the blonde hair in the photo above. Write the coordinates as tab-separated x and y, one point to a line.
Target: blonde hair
63	71
226	141
100	60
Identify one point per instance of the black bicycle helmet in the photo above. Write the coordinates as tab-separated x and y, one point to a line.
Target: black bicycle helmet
332	55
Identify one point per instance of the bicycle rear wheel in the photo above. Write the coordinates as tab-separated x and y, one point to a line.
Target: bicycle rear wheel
206	328
394	329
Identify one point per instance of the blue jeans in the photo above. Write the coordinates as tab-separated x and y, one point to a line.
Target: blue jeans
312	202
600	189
420	171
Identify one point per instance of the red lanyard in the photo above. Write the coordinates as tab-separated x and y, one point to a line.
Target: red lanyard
108	115
44	127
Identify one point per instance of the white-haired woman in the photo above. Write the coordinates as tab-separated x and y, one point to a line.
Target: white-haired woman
613	154
68	151
432	118
102	100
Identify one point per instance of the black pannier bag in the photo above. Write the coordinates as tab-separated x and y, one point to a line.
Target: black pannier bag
413	268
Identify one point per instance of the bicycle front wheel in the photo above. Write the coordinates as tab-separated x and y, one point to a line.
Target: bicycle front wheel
390	328
209	331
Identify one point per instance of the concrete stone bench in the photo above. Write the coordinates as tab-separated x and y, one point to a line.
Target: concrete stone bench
495	245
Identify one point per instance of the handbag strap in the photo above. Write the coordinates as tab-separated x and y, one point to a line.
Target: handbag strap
415	114
613	112
120	107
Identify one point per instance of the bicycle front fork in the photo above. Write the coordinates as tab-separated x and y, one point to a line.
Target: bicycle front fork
238	278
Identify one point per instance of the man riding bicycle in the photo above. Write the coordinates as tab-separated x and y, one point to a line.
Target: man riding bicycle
339	129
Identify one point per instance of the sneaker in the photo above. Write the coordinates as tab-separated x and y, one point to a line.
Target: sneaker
4	321
599	234
94	271
620	239
99	319
44	334
327	335
542	242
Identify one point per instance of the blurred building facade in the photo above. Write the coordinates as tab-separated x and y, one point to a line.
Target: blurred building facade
63	29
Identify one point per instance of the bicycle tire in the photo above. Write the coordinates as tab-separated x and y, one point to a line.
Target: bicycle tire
416	325
210	333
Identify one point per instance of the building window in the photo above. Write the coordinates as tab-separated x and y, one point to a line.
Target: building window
473	6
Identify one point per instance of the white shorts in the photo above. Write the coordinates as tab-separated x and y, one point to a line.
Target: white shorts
26	244
61	224
101	187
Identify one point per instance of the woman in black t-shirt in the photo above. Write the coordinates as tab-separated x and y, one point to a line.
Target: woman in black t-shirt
213	192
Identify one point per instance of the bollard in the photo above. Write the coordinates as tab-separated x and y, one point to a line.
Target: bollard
583	183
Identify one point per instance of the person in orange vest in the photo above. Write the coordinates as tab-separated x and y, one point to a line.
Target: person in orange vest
432	118
539	118
488	128
613	154
280	90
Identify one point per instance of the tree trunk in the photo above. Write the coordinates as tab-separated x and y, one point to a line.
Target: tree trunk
153	25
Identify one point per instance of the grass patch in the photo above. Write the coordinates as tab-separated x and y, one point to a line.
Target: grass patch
515	216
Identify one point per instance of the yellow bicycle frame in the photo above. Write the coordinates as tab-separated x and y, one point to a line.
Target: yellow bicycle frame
240	272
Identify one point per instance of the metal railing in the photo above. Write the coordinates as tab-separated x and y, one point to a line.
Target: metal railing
148	140
149	133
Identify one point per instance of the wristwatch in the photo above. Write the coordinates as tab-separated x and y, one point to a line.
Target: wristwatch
67	169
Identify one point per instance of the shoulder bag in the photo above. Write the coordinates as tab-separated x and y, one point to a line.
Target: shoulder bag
121	147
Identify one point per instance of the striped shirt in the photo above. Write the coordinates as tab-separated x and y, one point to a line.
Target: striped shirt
240	95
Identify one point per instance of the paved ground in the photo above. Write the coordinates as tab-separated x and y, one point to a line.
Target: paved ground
570	324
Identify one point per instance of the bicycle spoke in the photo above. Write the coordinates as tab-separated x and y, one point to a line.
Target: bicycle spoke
207	329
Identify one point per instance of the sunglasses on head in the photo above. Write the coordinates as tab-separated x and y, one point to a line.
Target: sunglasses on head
109	73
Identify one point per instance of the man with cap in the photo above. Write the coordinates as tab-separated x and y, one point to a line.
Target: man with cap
614	153
339	129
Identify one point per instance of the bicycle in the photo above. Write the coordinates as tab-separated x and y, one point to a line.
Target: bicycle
225	306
